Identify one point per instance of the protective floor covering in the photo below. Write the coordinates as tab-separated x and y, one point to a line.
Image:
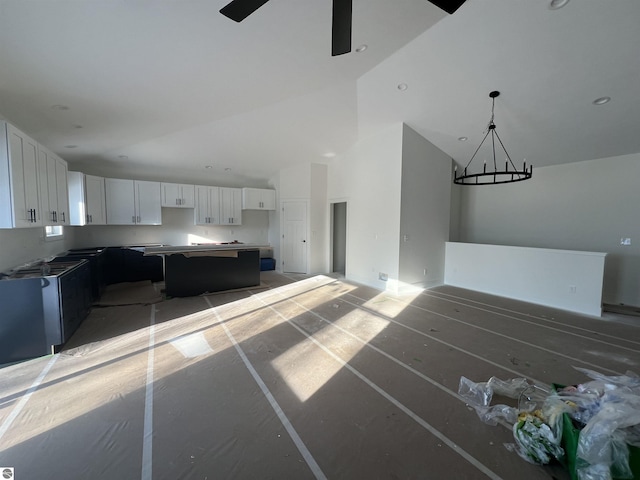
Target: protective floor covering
314	377
129	293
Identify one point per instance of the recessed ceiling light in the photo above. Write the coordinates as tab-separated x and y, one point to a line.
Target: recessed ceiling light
123	157
402	87
601	100
329	155
556	4
208	166
77	126
361	48
227	169
463	139
59	107
70	146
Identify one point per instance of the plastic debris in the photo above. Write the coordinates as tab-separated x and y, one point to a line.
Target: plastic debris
604	415
536	441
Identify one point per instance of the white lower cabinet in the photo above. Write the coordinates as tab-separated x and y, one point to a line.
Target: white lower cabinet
86	199
132	202
230	206
207	205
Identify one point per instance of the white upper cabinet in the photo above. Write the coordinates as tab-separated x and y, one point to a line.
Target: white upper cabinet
86	199
55	203
132	202
178	195
207	205
258	199
230	206
19	187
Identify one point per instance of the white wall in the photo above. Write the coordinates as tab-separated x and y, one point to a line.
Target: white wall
23	245
177	229
308	182
319	220
425	210
584	206
556	278
368	177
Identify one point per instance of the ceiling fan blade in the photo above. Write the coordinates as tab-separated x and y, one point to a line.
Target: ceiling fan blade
238	10
448	6
341	27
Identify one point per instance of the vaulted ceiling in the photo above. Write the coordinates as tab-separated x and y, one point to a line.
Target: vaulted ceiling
175	86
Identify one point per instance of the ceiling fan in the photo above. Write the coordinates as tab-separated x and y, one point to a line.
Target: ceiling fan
238	10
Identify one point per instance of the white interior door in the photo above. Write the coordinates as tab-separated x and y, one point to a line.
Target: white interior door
294	237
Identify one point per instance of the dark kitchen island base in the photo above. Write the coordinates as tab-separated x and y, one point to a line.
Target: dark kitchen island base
186	276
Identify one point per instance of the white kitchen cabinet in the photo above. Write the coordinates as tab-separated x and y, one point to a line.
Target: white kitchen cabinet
19	185
178	195
230	206
55	202
258	199
132	202
207	205
86	199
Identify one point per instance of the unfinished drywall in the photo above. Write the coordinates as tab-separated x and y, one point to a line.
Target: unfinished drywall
425	210
588	206
23	245
368	177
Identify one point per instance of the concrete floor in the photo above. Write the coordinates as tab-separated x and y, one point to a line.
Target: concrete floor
310	377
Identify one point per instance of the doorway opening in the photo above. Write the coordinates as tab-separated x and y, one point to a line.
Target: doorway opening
339	237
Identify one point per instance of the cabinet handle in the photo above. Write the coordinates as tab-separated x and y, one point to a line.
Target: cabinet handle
63	218
139	220
88	218
91	218
133	219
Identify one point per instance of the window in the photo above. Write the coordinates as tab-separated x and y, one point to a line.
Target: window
53	232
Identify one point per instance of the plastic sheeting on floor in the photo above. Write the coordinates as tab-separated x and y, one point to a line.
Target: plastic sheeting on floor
314	377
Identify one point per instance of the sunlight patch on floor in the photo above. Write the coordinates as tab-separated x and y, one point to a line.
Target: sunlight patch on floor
387	304
306	368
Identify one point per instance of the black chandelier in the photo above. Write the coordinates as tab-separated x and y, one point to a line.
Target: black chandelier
496	176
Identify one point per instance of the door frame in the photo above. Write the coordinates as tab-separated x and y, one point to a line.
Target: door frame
332	202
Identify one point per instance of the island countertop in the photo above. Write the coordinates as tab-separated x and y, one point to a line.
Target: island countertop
223	249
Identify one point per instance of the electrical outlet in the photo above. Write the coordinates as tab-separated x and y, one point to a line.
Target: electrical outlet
424	272
383	276
625	241
572	289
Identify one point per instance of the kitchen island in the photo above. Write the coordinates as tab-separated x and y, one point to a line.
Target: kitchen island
197	269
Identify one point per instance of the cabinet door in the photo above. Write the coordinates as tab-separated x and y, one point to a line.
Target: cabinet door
188	196
50	214
62	190
230	206
170	194
258	199
177	195
95	200
23	153
120	201
251	198
43	187
207	205
268	199
148	203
